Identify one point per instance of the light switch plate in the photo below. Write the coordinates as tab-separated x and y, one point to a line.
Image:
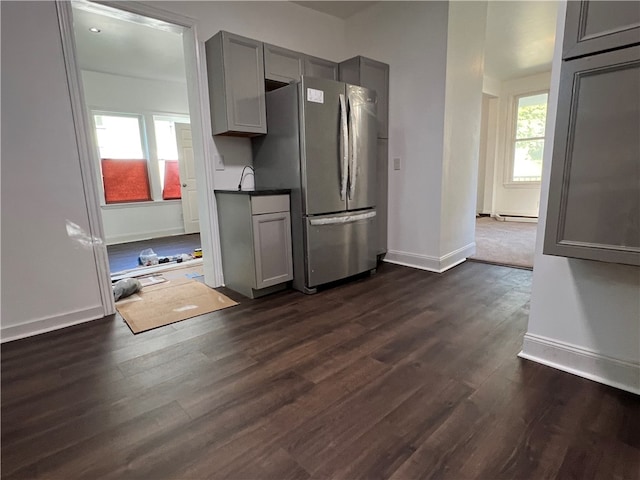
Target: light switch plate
396	163
218	160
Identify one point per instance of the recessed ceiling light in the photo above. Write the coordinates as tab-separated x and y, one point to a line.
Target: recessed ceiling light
95	30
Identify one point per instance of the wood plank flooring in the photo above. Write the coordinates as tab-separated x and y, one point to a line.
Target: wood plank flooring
403	375
124	256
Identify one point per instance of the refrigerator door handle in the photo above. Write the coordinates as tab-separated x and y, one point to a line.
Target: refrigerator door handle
344	147
353	150
342	219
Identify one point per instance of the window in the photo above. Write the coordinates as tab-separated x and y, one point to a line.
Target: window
528	143
125	175
167	150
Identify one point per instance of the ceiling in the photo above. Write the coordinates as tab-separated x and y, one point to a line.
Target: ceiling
519	40
337	9
520	37
128	47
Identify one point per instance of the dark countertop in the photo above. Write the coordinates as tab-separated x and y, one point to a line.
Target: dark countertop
258	191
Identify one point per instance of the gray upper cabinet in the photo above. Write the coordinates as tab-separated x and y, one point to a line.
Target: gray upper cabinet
374	75
320	68
282	65
598	26
594	193
235	69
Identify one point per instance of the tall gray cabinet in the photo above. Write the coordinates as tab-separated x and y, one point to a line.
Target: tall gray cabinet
594	192
375	75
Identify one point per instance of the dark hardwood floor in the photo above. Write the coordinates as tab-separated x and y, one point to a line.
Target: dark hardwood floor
124	256
402	375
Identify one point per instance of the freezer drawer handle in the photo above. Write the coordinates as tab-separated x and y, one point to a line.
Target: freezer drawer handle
344	219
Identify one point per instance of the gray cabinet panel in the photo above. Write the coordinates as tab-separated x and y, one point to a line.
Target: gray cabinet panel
320	68
282	65
256	249
597	26
373	75
272	244
382	204
594	194
236	85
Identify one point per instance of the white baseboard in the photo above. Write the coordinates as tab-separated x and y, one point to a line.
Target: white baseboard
516	218
135	237
584	363
430	263
43	325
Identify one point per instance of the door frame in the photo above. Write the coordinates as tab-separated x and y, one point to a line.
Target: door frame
202	141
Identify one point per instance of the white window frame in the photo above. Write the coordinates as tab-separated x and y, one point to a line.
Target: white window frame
145	151
511	135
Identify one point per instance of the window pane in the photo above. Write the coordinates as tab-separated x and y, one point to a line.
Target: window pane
118	137
166	140
532	115
527	162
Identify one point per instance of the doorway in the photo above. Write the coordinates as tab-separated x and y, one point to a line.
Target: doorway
512	134
134	80
196	84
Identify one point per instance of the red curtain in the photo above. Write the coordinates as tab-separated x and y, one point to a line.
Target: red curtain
171	190
125	180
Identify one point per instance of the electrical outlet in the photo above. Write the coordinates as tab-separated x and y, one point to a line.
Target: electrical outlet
396	163
218	160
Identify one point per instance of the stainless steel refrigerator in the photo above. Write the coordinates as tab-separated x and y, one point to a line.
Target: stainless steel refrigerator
321	143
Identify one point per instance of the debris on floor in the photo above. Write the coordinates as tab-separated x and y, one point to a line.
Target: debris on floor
125	288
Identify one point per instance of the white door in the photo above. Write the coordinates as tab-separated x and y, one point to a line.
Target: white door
187	178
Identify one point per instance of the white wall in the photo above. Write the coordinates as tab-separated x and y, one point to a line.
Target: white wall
117	93
49	278
514	199
462	119
412	38
584	315
281	23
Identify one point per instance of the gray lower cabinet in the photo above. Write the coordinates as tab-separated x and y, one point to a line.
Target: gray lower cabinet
235	68
320	68
255	240
594	193
598	26
282	65
375	76
382	203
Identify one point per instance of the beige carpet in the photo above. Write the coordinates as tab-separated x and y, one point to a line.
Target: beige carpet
505	243
170	302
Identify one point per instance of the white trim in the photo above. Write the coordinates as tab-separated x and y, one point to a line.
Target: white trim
456	257
209	225
428	262
48	324
582	362
515	218
151	203
414	260
87	165
146	235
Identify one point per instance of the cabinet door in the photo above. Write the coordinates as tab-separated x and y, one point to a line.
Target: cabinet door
596	26
382	204
375	76
320	68
235	69
594	206
272	246
282	65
